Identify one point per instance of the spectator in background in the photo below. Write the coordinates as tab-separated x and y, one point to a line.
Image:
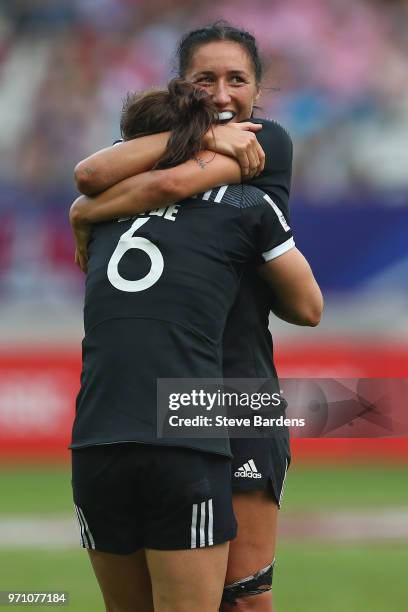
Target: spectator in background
340	69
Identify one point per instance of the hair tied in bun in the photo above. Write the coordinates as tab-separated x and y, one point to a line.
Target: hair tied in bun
185	97
184	110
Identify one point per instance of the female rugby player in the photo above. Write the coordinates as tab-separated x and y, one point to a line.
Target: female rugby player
225	62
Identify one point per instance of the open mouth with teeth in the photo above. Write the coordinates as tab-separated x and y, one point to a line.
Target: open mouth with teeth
225	116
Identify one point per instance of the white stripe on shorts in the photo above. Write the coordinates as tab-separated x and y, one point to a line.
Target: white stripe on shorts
88	531
202	524
194	527
283	483
81	528
85	529
199	524
210	523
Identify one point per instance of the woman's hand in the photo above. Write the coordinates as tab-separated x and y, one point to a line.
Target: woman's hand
238	140
82	237
82	233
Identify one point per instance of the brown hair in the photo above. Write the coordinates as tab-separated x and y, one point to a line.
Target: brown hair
184	109
219	31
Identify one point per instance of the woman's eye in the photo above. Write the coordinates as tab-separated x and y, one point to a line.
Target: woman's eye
204	81
237	79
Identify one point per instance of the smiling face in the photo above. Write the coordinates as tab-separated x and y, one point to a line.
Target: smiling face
225	70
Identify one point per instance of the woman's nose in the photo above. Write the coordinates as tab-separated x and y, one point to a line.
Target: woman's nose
221	94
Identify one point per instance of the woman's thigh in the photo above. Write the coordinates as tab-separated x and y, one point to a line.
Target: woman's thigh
124	581
252	551
254	547
186	580
258	476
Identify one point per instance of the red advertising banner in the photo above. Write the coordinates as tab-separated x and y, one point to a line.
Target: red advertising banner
37	393
38	390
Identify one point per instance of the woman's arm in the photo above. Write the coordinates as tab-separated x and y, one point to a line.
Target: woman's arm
296	295
148	191
109	166
156	188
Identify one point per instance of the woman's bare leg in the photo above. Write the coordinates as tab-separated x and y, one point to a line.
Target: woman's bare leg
187	580
254	547
124	581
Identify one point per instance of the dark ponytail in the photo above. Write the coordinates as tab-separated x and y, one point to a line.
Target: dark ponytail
184	109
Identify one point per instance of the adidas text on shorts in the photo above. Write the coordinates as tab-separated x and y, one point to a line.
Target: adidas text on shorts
260	464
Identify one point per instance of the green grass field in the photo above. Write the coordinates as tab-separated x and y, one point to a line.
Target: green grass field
336	578
310	577
39	490
39	570
313	579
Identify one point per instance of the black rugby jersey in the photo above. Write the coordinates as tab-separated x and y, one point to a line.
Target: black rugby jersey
276	177
248	347
158	291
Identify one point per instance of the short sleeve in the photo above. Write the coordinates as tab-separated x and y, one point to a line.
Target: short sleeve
275	180
266	226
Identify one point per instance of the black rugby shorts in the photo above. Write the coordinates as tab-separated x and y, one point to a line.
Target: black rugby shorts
130	496
261	464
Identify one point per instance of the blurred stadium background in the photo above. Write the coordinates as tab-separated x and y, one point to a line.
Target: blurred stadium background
337	79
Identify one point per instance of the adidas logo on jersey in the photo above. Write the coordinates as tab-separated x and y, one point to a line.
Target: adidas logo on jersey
248	470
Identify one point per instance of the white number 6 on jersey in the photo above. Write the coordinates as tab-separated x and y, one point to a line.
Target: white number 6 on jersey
126	242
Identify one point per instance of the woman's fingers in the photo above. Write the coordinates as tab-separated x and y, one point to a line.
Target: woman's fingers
83	263
243	160
261	156
82	234
255	156
81	260
246	126
238	140
254	162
